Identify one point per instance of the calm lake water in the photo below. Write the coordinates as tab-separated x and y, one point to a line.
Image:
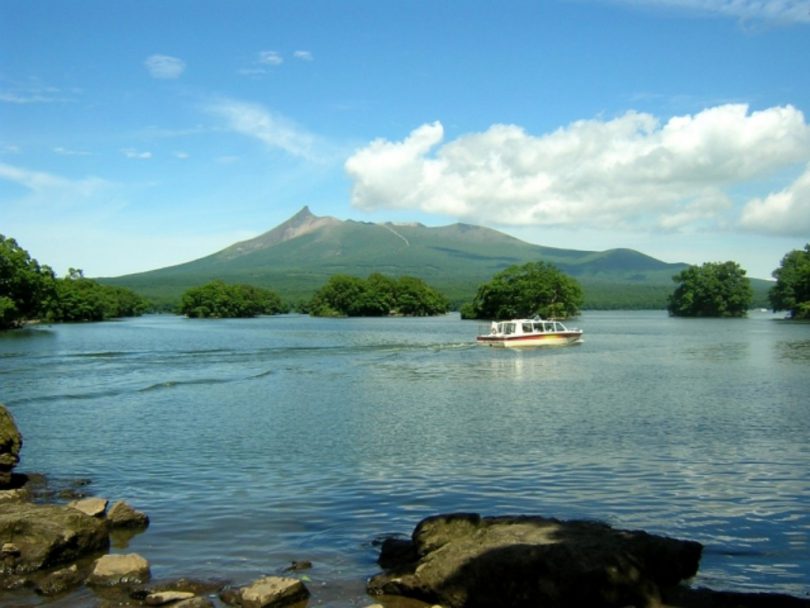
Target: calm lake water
251	443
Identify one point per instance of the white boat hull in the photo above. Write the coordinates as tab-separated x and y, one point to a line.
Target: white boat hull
531	340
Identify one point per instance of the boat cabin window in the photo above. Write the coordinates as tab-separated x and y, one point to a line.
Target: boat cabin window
527	328
508	328
538	327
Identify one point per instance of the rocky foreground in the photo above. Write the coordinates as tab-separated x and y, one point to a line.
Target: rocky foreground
464	560
454	561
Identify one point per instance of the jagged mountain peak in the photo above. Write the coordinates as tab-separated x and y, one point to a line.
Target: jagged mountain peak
299	224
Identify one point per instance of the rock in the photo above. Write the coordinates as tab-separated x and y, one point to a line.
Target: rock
117	569
49	535
465	560
272	591
231	596
60	581
160	598
14	495
10	445
93	506
121	515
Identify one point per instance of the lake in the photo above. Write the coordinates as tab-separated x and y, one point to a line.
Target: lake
251	443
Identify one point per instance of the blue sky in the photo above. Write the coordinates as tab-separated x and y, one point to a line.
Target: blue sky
140	134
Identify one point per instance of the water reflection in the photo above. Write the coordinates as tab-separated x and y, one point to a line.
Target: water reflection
793	350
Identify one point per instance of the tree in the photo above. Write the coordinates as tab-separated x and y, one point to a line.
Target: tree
376	296
25	286
792	289
220	300
342	295
524	291
81	299
415	298
715	289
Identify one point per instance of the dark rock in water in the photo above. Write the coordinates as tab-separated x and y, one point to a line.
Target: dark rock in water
122	515
10	446
465	560
46	536
299	564
60	581
395	551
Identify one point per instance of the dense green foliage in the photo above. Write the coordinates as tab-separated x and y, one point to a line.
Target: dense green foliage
218	299
715	289
81	299
29	291
792	289
524	291
26	288
376	296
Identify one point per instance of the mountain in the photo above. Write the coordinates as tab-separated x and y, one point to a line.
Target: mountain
298	256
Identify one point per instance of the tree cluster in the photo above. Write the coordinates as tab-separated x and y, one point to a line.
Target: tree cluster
376	296
81	299
526	291
218	299
715	289
29	291
792	289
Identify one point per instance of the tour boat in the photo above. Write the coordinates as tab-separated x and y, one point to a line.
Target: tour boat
529	332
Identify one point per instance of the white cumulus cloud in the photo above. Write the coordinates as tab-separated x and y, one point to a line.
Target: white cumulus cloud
632	171
784	213
165	67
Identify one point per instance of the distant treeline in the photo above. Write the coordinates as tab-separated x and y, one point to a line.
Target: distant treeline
30	291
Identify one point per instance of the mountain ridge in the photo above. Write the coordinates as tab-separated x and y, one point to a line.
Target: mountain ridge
299	255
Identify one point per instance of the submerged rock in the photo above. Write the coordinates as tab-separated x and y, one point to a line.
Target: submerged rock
465	560
270	591
178	593
160	598
60	581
